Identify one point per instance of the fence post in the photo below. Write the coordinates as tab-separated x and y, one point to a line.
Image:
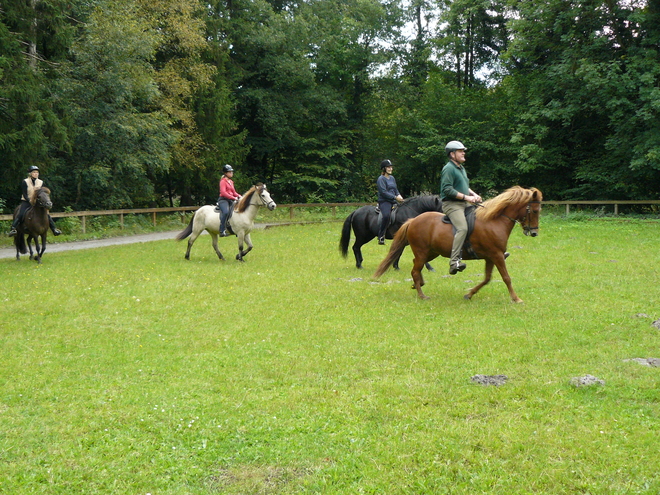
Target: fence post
83	222
568	209
121	220
154	217
616	209
291	213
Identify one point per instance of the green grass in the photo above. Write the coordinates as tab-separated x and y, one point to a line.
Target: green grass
130	370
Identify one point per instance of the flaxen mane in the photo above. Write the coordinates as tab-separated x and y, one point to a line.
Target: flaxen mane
35	193
515	195
245	200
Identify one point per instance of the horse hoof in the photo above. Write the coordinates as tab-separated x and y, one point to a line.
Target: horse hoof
424	297
467	297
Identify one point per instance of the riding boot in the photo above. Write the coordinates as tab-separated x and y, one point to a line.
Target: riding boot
55	230
456	266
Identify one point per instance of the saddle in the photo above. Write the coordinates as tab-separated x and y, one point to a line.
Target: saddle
229	215
392	215
470	216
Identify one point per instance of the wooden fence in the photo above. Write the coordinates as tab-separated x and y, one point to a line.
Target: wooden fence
292	207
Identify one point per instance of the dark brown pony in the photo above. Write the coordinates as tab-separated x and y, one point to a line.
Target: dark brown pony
429	237
35	224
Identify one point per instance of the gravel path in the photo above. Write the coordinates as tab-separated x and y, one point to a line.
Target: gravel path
51	247
55	247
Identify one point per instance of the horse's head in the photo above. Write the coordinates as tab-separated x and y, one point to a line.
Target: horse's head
42	198
264	196
518	205
530	221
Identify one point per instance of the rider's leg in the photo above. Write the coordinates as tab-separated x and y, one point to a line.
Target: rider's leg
19	217
55	230
386	213
455	210
224	209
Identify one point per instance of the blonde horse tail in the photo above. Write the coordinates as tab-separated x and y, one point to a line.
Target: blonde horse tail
398	245
187	231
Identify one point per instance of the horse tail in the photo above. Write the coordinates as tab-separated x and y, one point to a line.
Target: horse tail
398	245
19	242
346	235
187	231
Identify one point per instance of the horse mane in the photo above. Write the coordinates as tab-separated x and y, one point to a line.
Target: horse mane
515	195
35	193
414	201
244	202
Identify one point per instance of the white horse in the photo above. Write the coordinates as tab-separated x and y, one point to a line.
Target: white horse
241	221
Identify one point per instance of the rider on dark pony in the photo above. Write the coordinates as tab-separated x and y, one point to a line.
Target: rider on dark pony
456	195
29	185
388	195
228	195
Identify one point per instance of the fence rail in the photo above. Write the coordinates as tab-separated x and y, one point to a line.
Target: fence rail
292	207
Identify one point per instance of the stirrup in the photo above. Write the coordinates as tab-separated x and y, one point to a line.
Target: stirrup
456	267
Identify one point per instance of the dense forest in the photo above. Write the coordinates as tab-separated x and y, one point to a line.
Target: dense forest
132	103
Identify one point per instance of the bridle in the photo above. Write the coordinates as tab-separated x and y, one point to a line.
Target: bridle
527	228
264	202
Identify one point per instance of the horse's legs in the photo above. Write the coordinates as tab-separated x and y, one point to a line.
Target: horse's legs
418	279
214	241
487	276
429	267
40	253
29	243
248	241
501	267
357	247
37	248
191	240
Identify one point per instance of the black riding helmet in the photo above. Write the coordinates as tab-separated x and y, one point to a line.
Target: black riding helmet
33	168
227	168
385	163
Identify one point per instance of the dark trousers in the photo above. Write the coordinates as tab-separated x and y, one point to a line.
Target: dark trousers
386	213
21	215
224	205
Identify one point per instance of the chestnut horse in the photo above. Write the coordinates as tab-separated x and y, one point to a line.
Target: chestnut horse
429	237
35	224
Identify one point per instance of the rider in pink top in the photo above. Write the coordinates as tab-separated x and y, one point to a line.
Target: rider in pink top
228	194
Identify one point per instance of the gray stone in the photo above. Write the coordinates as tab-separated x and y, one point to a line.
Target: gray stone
586	381
496	380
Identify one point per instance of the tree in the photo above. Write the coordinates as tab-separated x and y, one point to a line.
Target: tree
120	133
33	40
585	80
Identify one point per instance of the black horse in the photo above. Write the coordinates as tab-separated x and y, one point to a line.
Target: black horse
364	222
35	224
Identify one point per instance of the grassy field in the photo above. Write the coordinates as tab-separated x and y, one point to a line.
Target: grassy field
128	370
